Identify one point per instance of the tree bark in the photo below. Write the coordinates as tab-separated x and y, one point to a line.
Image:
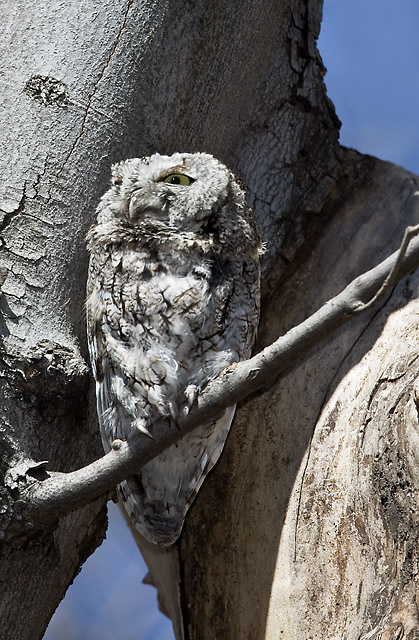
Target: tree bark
305	528
310	519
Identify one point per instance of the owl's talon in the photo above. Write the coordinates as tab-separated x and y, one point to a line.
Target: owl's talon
144	430
191	393
174	413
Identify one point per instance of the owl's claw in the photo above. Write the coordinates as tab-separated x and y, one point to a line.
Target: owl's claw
140	426
191	394
173	411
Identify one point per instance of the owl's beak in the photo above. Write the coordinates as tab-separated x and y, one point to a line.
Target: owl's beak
145	205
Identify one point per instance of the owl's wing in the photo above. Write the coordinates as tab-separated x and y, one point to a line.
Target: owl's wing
100	369
158	499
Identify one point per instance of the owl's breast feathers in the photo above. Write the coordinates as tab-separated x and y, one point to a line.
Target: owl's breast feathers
175	299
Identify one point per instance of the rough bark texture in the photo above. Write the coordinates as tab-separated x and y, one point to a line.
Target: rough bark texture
311	516
305	529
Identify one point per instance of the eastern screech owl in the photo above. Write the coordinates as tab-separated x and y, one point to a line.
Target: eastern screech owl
172	299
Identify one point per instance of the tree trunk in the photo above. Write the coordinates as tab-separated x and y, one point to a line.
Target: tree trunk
308	527
305	528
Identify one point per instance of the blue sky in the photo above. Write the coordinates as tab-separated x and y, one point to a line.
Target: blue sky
107	600
371	51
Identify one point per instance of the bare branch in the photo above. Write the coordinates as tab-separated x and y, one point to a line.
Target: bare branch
61	493
393	276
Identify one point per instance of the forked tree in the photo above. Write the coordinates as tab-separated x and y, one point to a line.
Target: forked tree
306	528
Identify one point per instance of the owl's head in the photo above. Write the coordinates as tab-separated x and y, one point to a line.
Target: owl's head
186	192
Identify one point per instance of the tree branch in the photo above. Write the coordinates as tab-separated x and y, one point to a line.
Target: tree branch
59	494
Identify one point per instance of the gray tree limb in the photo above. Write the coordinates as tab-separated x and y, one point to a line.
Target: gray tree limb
62	493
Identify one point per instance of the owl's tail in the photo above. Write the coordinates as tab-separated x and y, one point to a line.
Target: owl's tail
157	499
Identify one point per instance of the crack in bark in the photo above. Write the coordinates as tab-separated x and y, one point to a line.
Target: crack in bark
367	419
9	216
89	106
184	609
39	176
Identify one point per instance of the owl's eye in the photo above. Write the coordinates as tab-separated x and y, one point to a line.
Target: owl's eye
178	178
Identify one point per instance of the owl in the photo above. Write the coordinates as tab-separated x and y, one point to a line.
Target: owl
172	299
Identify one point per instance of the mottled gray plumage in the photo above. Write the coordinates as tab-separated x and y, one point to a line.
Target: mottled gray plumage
172	299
